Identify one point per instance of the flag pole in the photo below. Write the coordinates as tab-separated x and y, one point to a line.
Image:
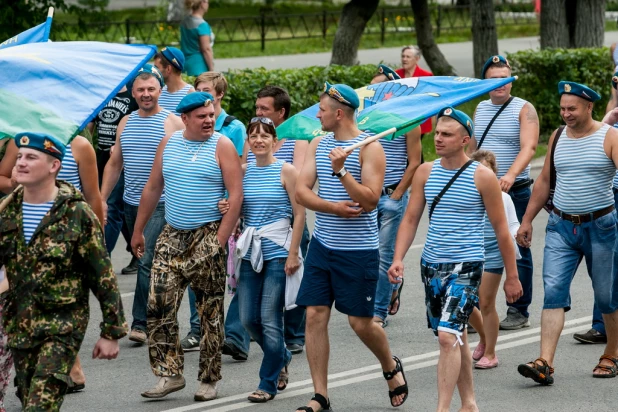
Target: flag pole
380	135
50	12
8	198
48	23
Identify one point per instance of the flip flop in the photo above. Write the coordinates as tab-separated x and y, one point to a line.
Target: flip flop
396	299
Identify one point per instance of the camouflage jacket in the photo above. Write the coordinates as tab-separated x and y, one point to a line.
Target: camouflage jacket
51	276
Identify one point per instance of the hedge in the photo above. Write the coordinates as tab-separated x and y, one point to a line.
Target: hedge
540	71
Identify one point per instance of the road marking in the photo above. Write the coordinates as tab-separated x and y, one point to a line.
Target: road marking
367	373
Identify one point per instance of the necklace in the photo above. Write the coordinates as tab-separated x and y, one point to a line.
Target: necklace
584	134
194	158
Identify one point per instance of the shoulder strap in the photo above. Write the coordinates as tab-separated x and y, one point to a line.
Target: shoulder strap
228	119
478	146
437	199
552	167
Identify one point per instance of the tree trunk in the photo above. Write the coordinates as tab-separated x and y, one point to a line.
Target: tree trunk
589	23
554	28
176	10
354	18
424	36
484	35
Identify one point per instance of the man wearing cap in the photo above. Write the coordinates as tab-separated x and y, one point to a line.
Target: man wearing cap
458	193
342	264
137	139
170	62
195	167
509	127
582	224
52	245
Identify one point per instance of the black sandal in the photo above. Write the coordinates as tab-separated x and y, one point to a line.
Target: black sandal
324	404
399	390
396	299
539	373
613	370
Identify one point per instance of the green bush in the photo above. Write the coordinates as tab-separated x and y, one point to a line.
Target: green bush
540	71
303	85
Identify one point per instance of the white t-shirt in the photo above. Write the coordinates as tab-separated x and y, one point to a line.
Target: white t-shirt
511	218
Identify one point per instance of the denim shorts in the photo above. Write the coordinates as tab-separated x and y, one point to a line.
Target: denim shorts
451	292
565	246
348	278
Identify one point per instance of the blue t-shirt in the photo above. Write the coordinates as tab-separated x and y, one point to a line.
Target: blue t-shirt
235	131
191	28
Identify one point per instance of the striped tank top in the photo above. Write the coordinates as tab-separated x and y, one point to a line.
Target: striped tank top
456	228
265	201
32	214
584	173
139	142
169	101
334	232
396	152
192	188
285	152
503	137
69	170
615	183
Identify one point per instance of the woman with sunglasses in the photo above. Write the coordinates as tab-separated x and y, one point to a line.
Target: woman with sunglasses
269	252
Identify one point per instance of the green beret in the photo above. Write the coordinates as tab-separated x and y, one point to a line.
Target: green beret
615	80
578	90
388	72
42	142
343	94
494	60
194	100
174	56
460	117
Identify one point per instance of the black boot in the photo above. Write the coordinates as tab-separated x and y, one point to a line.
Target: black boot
131	269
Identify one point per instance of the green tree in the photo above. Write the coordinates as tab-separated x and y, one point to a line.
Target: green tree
24	14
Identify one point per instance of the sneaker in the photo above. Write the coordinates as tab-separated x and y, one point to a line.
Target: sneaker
165	386
592	336
479	351
131	268
206	392
295	348
485	363
191	342
514	320
138	336
230	349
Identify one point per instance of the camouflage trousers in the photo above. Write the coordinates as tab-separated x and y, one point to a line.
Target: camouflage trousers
42	375
184	257
6	360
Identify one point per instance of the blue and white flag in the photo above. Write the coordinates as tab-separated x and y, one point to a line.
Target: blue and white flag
37	34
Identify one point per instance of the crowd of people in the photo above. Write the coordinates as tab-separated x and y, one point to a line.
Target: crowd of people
211	206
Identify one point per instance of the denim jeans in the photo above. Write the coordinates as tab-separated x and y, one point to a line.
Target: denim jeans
115	218
235	333
142	286
565	246
261	298
390	213
521	198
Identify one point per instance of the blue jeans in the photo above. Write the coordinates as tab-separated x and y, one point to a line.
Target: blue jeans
235	333
115	218
261	298
142	285
195	318
524	265
565	246
390	213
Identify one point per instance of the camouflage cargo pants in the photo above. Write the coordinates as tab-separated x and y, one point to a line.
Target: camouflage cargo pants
42	375
184	257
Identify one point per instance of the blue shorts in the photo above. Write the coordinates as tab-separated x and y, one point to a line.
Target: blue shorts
347	277
451	292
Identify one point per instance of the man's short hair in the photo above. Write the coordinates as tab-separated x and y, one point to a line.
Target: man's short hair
347	110
146	76
166	63
218	81
280	96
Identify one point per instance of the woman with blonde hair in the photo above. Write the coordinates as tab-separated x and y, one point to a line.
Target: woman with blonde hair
197	39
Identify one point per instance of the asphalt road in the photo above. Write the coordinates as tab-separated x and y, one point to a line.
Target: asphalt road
356	383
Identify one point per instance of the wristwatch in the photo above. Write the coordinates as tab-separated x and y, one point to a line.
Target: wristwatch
340	173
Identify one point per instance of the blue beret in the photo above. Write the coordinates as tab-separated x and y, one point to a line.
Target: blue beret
194	100
388	72
579	90
42	142
615	80
343	93
460	117
174	56
148	68
494	60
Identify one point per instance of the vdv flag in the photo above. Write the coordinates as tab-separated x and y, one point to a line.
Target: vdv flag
403	104
58	88
37	34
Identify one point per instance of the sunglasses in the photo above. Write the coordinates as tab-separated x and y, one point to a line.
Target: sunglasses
263	120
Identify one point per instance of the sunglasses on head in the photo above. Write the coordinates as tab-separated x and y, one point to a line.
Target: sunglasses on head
263	120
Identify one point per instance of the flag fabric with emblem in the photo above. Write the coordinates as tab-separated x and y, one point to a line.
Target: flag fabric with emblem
58	88
37	34
403	104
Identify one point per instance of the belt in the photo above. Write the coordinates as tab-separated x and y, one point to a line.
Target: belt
388	190
588	217
521	184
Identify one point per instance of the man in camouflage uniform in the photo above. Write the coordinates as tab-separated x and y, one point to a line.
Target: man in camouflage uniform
53	258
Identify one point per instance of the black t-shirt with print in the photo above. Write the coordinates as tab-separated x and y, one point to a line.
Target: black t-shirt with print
108	119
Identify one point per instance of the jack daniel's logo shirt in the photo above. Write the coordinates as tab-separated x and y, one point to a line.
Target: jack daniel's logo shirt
109	117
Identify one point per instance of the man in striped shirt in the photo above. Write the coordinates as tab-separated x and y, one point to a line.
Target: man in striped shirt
513	138
170	62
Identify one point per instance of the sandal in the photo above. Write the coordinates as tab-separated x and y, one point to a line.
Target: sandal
613	370
539	373
284	377
259	396
400	390
382	323
324	404
396	299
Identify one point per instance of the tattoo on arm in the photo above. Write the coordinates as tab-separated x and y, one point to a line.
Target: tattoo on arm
531	115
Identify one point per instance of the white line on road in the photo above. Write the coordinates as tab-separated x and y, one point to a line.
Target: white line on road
512	340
